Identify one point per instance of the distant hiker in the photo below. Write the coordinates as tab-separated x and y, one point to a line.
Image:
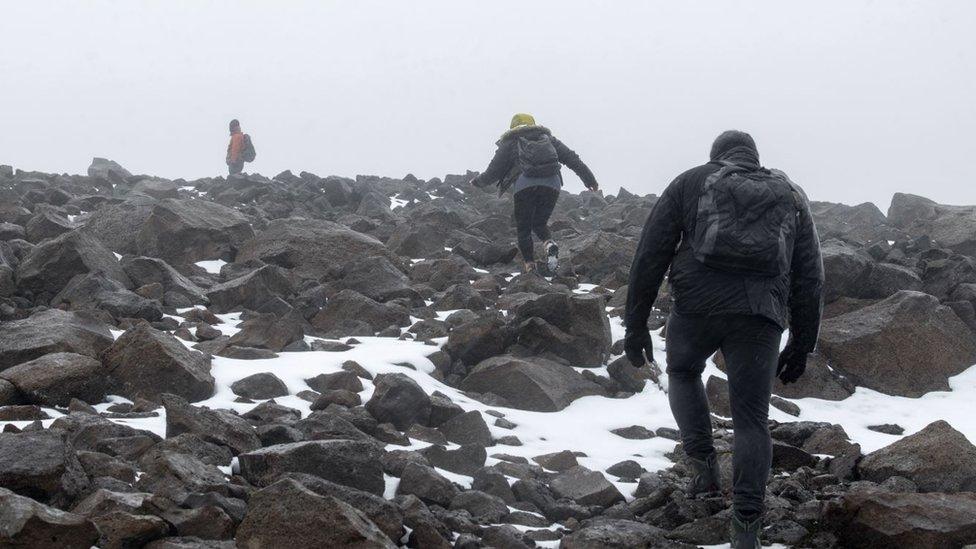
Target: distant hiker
745	263
239	150
529	157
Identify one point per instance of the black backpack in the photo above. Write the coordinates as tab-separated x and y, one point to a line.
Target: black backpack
747	221
537	156
248	154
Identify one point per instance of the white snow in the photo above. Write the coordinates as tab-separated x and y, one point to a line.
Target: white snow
397	202
117	255
211	265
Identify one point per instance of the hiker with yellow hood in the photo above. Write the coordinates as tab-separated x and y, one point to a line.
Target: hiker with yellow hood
529	157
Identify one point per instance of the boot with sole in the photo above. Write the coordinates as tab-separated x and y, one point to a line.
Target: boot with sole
552	256
706	476
744	534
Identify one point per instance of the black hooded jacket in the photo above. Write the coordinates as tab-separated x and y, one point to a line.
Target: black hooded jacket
793	299
504	169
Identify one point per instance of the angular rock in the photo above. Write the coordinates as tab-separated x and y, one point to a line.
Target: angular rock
311	247
883	346
259	386
181	232
149	270
585	487
54	379
581	317
49	266
349	304
250	291
348	462
953	227
382	512
144	363
175	476
529	384
27	523
912	521
268	331
937	459
51	331
467	428
399	400
215	426
286	514
42	466
427	484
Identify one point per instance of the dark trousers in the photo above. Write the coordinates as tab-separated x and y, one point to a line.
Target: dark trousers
533	206
235	168
750	346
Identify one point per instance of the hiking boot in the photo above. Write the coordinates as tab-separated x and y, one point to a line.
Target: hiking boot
528	267
706	475
552	256
744	534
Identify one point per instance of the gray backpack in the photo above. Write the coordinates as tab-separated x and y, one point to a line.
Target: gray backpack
537	156
747	221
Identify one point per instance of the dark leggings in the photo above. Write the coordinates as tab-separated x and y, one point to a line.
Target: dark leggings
750	346
533	206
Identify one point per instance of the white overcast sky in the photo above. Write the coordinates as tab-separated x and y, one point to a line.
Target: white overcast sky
854	99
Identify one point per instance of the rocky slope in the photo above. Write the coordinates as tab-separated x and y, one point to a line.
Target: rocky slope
322	362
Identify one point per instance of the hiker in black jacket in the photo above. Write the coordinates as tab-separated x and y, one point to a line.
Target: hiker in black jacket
745	263
529	157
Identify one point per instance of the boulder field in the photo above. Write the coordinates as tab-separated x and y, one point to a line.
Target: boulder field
325	362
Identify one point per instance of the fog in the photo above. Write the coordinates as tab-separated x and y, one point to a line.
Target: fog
854	99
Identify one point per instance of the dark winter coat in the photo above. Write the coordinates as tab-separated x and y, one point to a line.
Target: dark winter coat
793	299
504	166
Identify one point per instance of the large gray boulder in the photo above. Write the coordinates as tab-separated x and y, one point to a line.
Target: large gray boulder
149	270
907	345
215	426
844	268
109	170
861	224
181	232
375	277
952	227
937	459
287	514
95	291
350	305
348	462
382	512
51	331
54	379
42	466
250	291
117	225
580	323
267	331
145	363
399	400
47	223
585	487
904	520
529	384
49	266
311	247
27	523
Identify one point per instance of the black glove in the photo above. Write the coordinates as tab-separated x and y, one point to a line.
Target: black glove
637	346
791	365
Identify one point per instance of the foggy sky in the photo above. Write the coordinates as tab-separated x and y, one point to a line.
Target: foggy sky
854	99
